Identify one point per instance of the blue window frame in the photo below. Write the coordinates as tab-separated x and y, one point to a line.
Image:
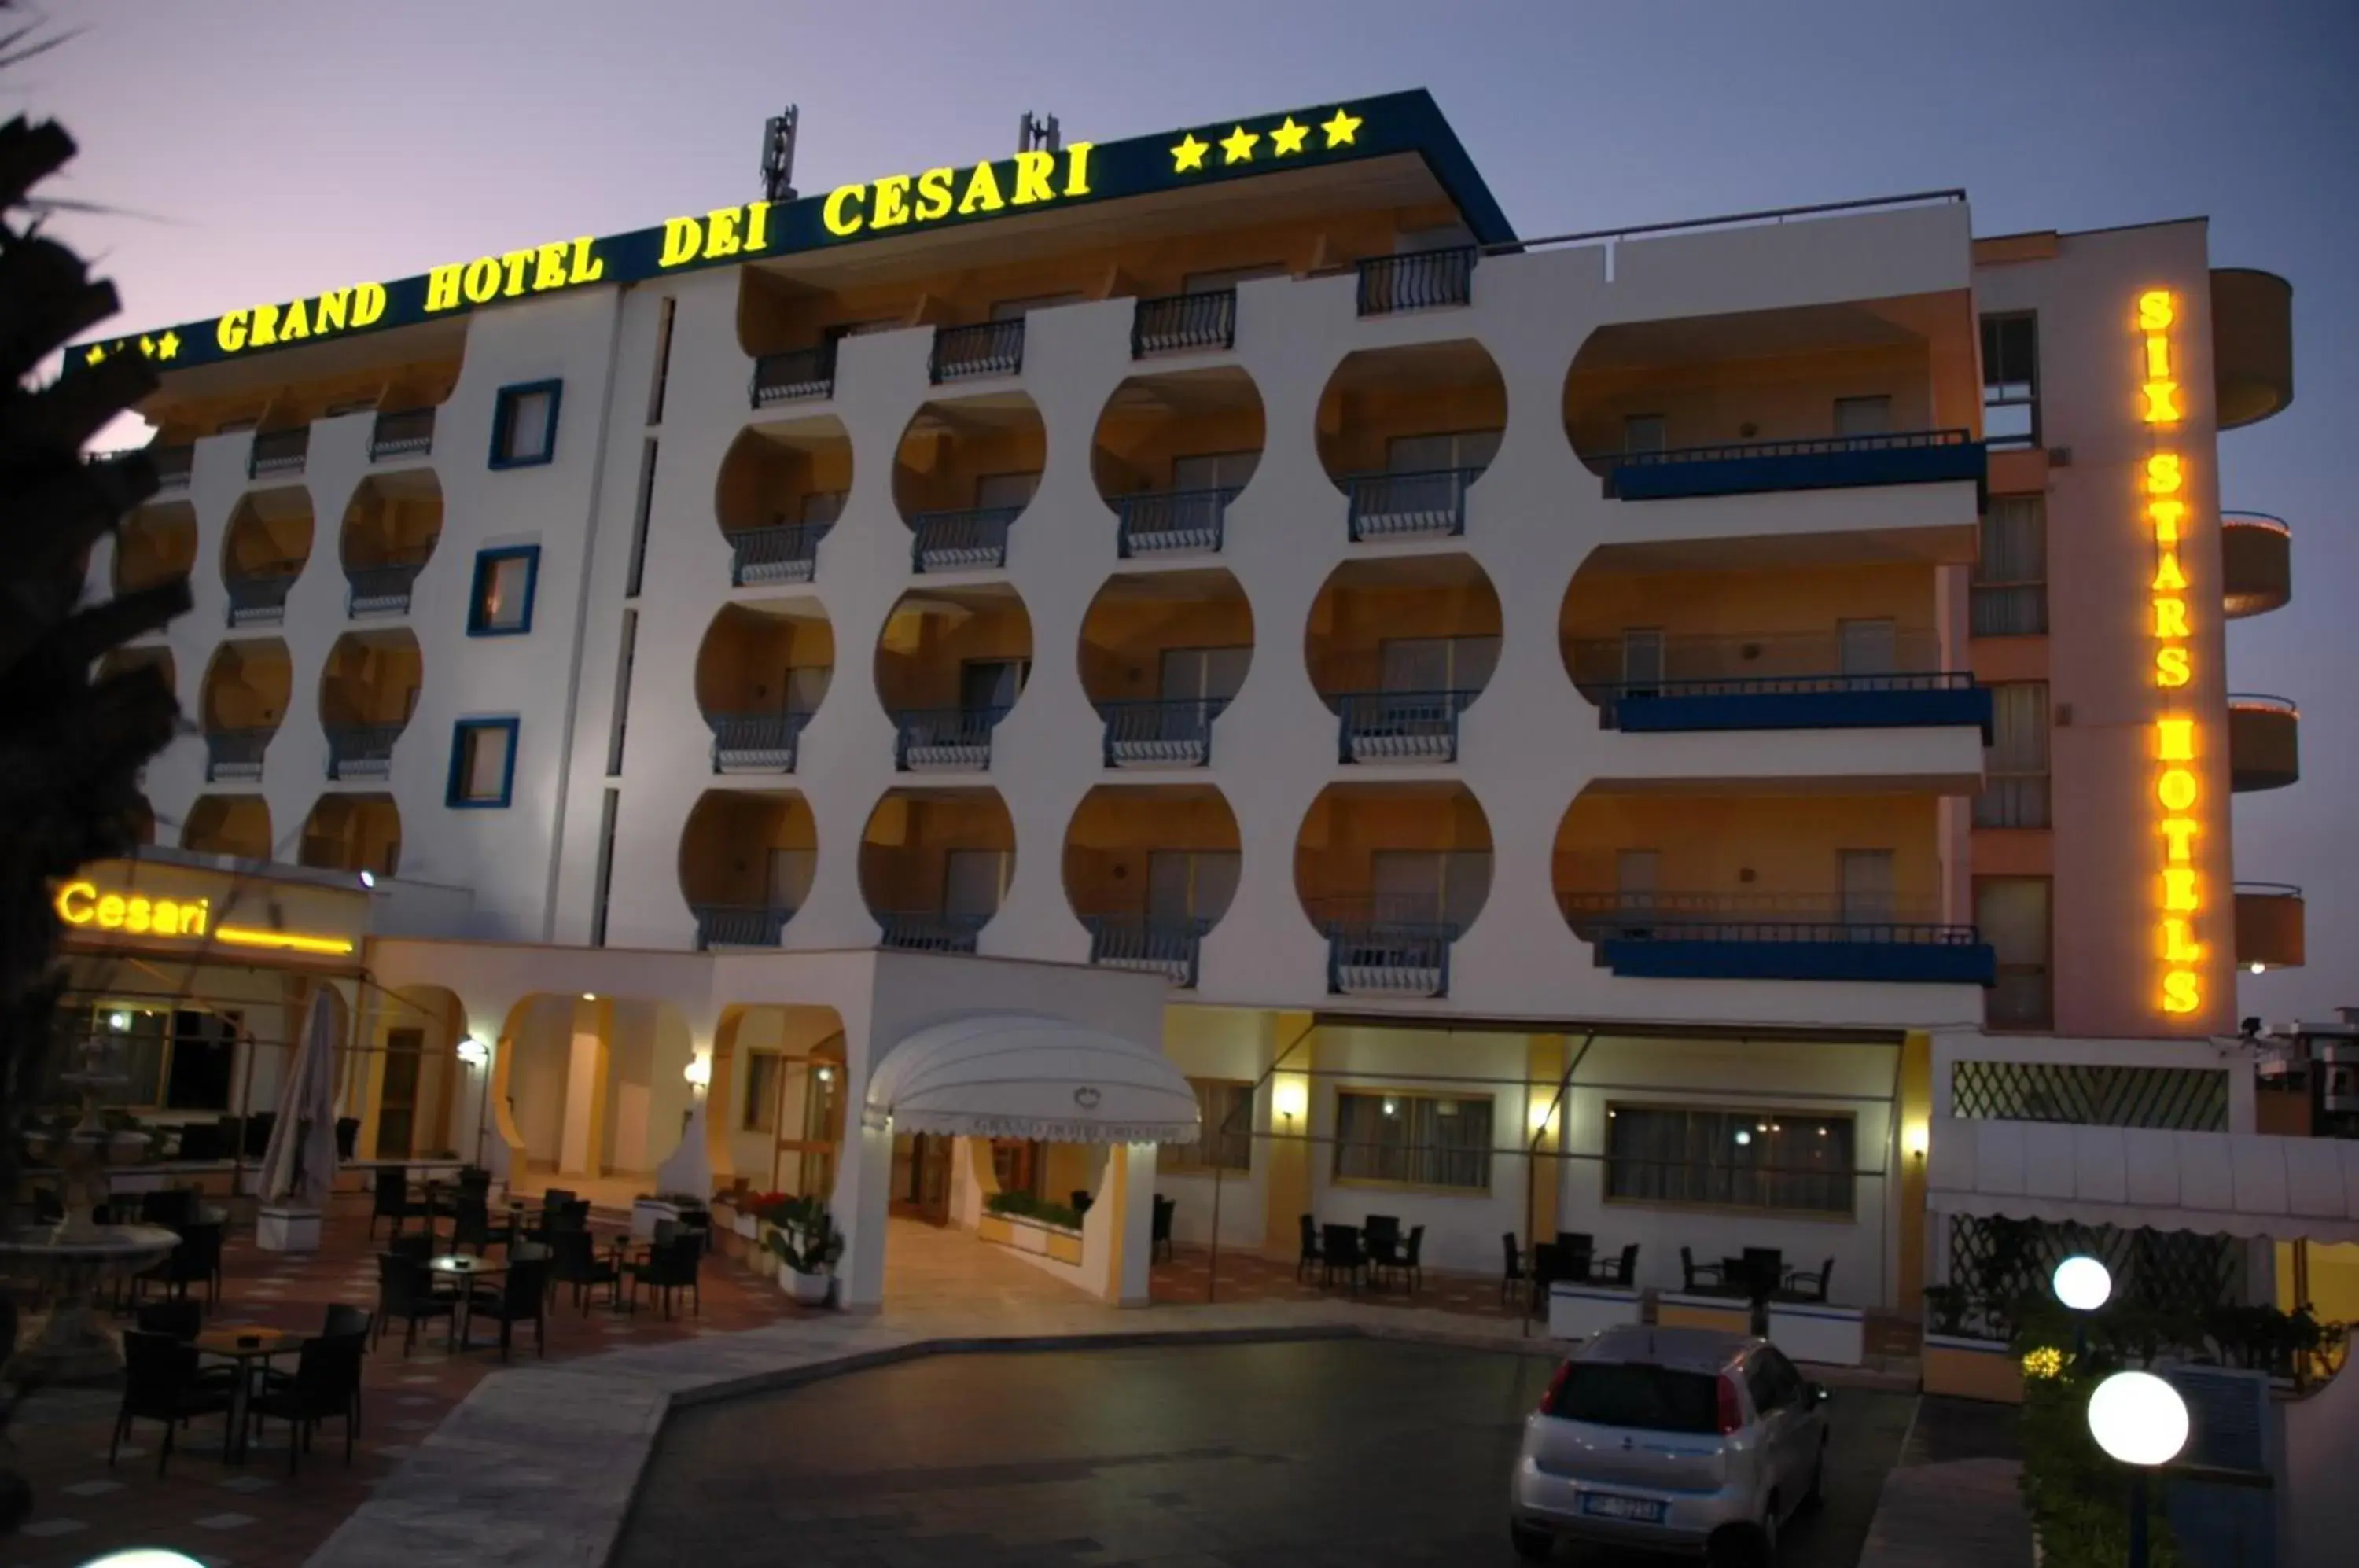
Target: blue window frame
483	764
524	424
499	602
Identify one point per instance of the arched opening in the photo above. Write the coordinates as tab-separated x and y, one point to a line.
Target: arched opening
235	825
1406	432
155	544
246	688
1392	875
746	858
1162	654
597	1092
263	550
412	1092
389	534
965	470
934	864
1150	869
761	672
368	692
1399	647
950	664
781	489
1172	450
352	833
123	660
781	1098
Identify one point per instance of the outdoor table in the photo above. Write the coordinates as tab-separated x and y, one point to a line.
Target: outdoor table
618	1253
233	1345
463	1271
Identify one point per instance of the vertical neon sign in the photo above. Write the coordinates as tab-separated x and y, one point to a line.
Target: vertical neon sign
2177	789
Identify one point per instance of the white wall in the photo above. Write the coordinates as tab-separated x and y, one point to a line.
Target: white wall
1216	1042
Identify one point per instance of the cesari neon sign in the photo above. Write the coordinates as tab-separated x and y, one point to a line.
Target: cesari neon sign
84	905
2178	790
900	201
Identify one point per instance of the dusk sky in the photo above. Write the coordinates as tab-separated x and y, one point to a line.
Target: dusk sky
275	148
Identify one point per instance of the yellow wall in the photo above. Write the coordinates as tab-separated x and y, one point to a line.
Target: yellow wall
263	540
2334	1270
181	416
1114	831
938	467
1415	397
228	824
920	655
1287	1155
724	849
764	482
1135	446
1123	640
902	853
155	543
371	678
352	833
1602	604
383	524
247	686
1349	626
1790	843
1916	1109
742	667
1345	827
1783	397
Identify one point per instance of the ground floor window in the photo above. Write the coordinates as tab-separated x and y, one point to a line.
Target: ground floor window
178	1058
1226	1141
1790	1160
1417	1140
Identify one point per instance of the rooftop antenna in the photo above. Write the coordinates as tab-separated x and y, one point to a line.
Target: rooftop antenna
778	156
1036	133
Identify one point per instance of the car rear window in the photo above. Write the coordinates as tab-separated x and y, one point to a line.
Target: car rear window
1650	1399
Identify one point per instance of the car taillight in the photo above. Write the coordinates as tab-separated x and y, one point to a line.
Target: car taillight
1556	1385
1731	1416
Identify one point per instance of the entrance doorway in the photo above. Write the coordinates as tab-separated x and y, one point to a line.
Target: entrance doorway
1018	1164
396	1117
921	1177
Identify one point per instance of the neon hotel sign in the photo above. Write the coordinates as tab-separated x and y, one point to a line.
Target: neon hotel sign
2177	790
84	905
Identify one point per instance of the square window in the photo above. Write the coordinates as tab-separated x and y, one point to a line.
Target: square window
524	425
482	762
500	605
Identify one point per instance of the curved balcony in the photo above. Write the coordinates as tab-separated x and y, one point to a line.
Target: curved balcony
2255	564
257	597
1773	936
154	544
236	756
740	925
402	432
945	740
971	353
279	452
1169	946
2270	926
1829	462
389	533
1173	522
1149	871
1390	875
781	488
2252	344
1173	732
746	857
756	743
361	751
1180	323
973	538
1430	504
2264	741
1379	946
929	930
798	376
1401	726
383	588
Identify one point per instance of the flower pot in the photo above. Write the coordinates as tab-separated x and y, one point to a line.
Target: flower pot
746	1226
807	1289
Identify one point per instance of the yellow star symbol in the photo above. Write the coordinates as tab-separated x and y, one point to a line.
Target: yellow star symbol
146	345
168	346
1340	129
1287	138
1239	145
97	354
1189	154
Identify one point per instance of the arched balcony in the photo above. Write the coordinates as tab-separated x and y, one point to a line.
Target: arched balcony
155	544
1406	432
934	864
965	470
123	660
1172	452
266	547
1392	874
1150	869
746	858
1399	648
367	692
950	664
359	833
761	673
235	825
389	534
781	489
242	702
2255	564
1162	653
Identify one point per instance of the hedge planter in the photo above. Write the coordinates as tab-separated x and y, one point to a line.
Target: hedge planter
1583	1312
1032	1235
1808	1331
1972	1370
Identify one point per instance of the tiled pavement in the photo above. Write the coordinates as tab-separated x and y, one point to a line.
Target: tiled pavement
1956	1499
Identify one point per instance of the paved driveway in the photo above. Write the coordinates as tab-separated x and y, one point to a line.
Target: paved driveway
1293	1455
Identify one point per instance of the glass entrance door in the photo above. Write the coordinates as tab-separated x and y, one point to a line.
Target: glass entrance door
921	1177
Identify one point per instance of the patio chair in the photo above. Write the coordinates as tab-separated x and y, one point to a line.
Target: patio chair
326	1383
1764	1270
160	1383
1695	1277
471	1224
1339	1247
195	1261
340	1319
1405	1261
174	1208
574	1260
173	1317
1548	1263
256	1134
1308	1256
669	1268
348	1137
1378	1226
522	1296
1513	1274
392	1200
420	1246
1382	1249
1621	1270
405	1290
1803	1286
1159	1236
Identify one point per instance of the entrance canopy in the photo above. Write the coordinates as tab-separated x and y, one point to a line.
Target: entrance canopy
1016	1075
2215	1183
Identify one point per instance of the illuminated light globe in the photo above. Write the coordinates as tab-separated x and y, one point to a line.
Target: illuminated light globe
144	1557
2138	1418
2082	1284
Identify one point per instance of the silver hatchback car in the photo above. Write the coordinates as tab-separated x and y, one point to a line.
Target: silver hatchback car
1676	1439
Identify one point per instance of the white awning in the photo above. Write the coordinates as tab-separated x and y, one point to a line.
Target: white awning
1013	1076
2215	1183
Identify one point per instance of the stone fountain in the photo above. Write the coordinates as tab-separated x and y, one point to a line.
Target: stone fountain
68	1261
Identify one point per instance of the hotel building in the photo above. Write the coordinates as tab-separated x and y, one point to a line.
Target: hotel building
1618	733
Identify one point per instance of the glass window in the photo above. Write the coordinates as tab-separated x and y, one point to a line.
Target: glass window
1430	887
1639	1397
1869	647
1868	890
1430	454
1438	664
2015	765
1862	416
987	683
506	580
1192	884
1214	673
972	880
995	491
1755	1158
2011	380
524	425
2009	590
1215	471
2012	914
1226	1141
482	762
762	1069
1645	432
1418	1141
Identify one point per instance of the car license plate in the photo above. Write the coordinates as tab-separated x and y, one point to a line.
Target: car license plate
1606	1505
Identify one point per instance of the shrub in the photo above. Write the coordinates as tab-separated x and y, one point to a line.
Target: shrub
1024	1205
806	1239
2079	1498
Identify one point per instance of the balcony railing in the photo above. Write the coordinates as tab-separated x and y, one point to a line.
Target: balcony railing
929	930
1381	946
173	464
798	376
1409	506
361	751
740	925
1401	726
383	587
1771	936
944	740
788	552
234	754
405	432
1177	322
1167	945
974	540
755	743
1421	281
278	451
986	348
1934	698
1173	522
1160	733
1829	463
258	598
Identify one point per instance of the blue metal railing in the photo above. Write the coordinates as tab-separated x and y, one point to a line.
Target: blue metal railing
1420	280
986	348
1750	917
1400	505
1174	322
259	597
278	451
1401	726
383	587
929	930
793	376
1921	698
1168	945
1379	945
755	743
974	540
939	738
236	754
361	751
406	433
1162	521
786	552
1822	462
740	925
1773	937
1174	732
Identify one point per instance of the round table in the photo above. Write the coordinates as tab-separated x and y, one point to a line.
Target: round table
465	1270
247	1346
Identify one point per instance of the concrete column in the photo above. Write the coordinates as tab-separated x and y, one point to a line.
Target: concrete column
1131	1174
863	1183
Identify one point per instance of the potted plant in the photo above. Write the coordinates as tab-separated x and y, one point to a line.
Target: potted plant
806	1245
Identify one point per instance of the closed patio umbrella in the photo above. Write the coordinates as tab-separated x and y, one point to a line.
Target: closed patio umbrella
299	1166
